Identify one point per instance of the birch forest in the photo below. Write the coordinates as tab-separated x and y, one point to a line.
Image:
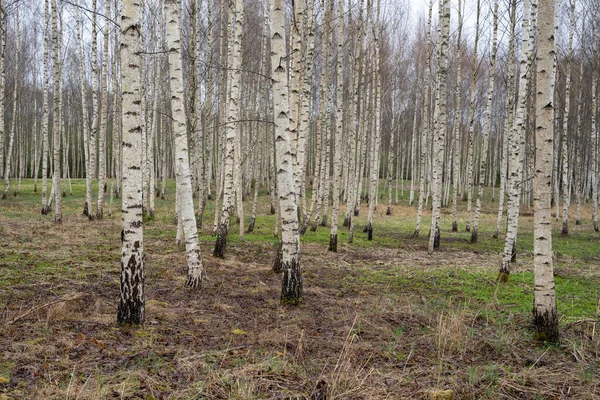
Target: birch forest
299	199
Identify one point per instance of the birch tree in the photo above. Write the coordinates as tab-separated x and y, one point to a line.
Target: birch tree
195	270
545	318
289	262
132	301
566	180
440	135
45	114
103	121
337	162
488	129
515	161
56	125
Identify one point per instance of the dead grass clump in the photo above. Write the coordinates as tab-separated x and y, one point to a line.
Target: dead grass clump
451	333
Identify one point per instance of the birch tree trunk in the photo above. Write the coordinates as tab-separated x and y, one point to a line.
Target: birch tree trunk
45	114
509	117
338	146
483	160
94	130
56	125
13	125
515	160
438	145
470	150
545	318
195	271
84	107
594	156
103	122
566	181
457	121
232	128
132	301
289	263
3	78
424	126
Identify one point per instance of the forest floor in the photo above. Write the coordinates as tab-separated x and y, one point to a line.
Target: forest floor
381	319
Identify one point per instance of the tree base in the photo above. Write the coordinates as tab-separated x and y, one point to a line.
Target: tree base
4	196
333	243
272	209
194	282
64	194
99	215
416	233
388	211
324	221
45	210
565	229
314	227
356	212
221	242
291	283
436	238
454	226
346	221
474	236
545	327
503	276
595	227
304	226
85	209
468	228
578	222
277	265
251	226
369	231
35	188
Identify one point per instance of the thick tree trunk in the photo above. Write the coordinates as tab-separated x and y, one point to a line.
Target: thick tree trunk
289	262
132	302
545	318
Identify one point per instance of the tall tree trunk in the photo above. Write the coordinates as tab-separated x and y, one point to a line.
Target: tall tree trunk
232	128
566	179
545	318
440	136
509	117
470	150
424	126
13	124
289	257
103	122
457	122
483	160
195	271
338	146
45	114
132	302
515	160
56	125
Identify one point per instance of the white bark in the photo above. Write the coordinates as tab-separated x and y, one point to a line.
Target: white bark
517	131
486	135
566	181
195	271
545	317
132	301
56	125
440	136
289	263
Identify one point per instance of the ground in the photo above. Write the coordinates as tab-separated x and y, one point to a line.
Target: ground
381	319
